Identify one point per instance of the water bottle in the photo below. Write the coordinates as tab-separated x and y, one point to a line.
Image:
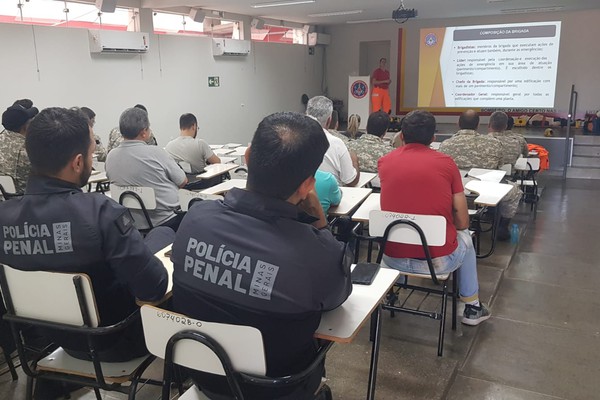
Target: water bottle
514	234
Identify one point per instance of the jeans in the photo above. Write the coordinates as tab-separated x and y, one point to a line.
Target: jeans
463	258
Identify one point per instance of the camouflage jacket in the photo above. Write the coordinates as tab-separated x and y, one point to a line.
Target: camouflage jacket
14	161
369	149
340	135
513	146
100	151
115	138
469	150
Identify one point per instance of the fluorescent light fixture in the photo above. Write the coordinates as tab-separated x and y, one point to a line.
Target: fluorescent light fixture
335	13
531	10
366	21
282	3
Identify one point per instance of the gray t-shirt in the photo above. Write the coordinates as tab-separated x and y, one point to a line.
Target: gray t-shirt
134	163
191	150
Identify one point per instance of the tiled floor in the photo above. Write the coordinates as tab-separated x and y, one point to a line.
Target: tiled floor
542	343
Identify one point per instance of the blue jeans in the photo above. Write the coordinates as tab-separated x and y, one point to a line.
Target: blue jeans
463	258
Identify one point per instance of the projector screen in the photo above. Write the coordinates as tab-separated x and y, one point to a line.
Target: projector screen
498	66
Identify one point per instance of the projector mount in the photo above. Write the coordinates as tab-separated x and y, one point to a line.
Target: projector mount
403	14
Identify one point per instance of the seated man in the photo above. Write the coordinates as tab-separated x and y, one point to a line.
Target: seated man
94	233
258	258
134	163
370	147
513	144
100	151
115	137
195	151
338	160
14	161
418	180
327	189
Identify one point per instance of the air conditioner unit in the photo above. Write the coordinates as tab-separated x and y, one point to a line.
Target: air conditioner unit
230	47
102	41
315	39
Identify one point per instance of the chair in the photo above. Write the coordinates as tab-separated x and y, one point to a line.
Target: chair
187	198
426	231
136	198
65	302
526	169
234	351
7	187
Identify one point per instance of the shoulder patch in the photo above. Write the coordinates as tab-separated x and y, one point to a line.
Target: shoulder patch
124	222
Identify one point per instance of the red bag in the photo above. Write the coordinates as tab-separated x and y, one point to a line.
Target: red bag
542	154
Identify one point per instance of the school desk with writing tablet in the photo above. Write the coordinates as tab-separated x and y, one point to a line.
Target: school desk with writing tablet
365	178
490	193
222	151
214	170
373	202
491	175
226	186
351	198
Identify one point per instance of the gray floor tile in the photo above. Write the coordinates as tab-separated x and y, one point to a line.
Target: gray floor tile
541	359
466	388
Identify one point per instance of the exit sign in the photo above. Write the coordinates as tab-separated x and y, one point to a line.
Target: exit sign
213	81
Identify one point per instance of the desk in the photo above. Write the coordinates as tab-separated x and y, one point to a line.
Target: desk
435	145
351	198
214	170
344	323
222	152
226	186
365	178
232	145
97	177
215	146
239	151
492	175
227	160
490	193
373	202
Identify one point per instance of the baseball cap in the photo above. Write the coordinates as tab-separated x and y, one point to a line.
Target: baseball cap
16	116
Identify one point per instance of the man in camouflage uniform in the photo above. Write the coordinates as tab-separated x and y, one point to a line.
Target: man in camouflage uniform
115	138
14	161
513	145
469	150
370	147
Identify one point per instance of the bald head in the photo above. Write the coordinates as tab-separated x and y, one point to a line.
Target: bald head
469	120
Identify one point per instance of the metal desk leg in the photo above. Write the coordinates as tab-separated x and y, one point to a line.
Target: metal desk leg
376	321
495	225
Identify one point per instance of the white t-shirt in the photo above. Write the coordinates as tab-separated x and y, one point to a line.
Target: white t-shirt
337	160
191	150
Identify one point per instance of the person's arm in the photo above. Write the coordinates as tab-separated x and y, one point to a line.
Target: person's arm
100	150
128	256
335	194
174	171
460	211
214	159
312	206
355	165
524	148
207	153
335	281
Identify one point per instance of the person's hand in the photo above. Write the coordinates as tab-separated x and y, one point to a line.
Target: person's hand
312	206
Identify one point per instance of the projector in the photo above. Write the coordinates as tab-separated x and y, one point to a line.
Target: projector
404	13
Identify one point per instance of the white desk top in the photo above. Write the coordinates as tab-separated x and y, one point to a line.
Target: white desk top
227	160
232	145
490	193
215	146
344	323
221	151
97	177
239	151
435	145
491	175
226	186
365	177
213	170
169	267
351	198
371	203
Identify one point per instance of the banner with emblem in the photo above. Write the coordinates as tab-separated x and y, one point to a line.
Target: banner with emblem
359	88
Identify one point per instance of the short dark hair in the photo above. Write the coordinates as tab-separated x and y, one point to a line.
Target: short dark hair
418	127
468	120
498	121
286	149
378	123
54	137
132	122
187	120
141	107
382	59
25	103
510	123
89	112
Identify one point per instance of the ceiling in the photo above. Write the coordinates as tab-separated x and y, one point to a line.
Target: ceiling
371	9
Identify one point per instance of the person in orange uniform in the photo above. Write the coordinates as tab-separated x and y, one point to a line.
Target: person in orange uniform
380	80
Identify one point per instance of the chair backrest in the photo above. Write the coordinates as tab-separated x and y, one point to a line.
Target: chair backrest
433	226
134	196
99	165
506	168
50	296
7	184
186	197
243	344
185	166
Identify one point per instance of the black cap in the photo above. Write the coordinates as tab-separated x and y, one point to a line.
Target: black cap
16	116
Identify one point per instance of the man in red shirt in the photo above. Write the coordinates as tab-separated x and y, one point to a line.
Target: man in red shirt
380	95
418	180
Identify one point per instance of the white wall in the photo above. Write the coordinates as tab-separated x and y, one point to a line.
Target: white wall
168	82
578	60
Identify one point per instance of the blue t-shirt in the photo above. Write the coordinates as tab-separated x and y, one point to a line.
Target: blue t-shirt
327	189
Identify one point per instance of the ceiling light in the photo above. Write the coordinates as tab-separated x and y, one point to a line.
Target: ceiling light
335	13
281	3
531	10
366	21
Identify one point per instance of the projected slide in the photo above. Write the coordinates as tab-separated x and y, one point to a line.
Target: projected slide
503	66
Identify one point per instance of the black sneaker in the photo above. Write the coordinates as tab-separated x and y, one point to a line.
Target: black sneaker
475	315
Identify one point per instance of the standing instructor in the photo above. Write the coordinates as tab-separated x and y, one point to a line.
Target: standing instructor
380	80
